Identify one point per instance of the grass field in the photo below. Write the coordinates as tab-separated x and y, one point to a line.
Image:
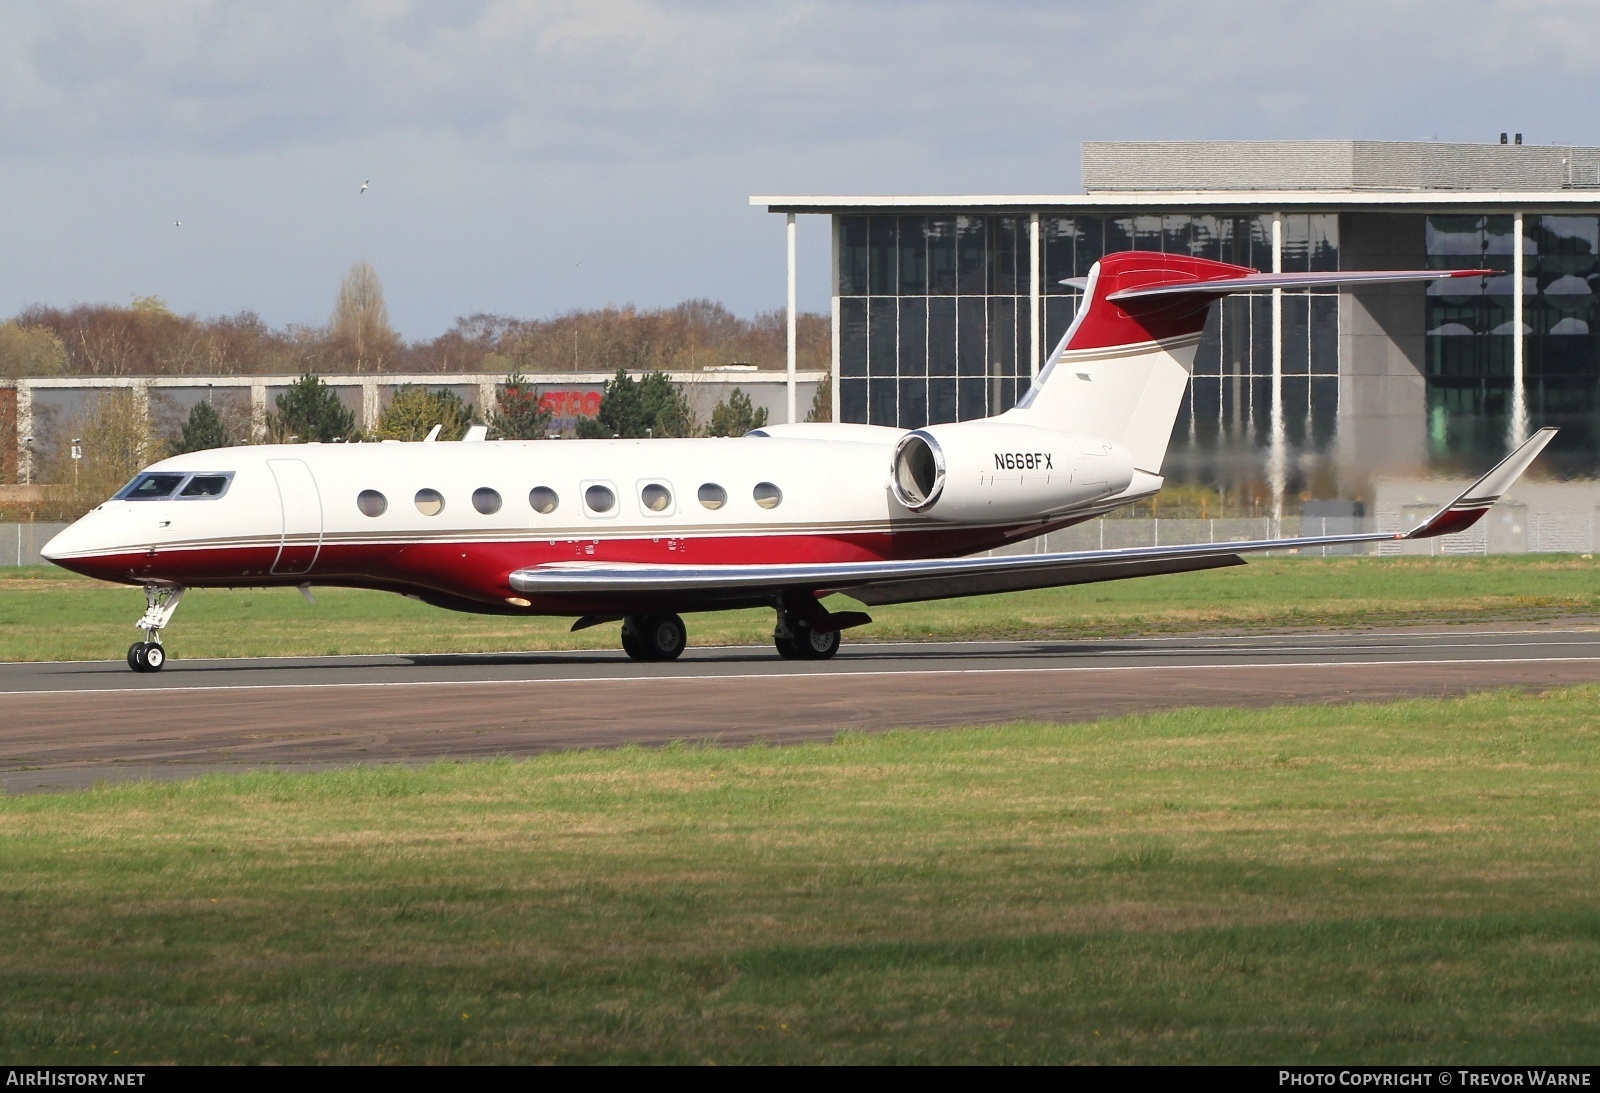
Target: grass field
47	614
1408	883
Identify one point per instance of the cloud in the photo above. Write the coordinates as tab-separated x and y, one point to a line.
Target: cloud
626	79
508	139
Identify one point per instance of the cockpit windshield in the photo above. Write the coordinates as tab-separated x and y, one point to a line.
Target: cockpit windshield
205	485
151	487
159	487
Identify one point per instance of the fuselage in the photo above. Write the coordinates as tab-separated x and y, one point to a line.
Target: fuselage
449	522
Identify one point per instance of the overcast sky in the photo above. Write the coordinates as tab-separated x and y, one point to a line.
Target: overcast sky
531	157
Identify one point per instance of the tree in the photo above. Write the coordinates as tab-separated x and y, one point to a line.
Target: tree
117	442
735	416
359	329
650	406
204	430
414	411
517	414
822	401
311	410
30	351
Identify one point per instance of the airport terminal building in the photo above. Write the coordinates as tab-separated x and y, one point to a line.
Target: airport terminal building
945	307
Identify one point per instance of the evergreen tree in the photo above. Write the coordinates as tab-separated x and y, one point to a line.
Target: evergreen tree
311	410
822	401
517	414
414	411
204	430
736	416
650	406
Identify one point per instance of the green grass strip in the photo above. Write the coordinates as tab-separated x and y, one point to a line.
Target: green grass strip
47	614
1405	883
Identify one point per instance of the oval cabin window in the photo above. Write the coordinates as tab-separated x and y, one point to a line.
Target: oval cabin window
372	503
599	499
430	502
655	497
713	496
486	501
543	500
767	495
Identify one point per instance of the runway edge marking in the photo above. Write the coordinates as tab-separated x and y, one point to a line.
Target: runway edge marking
169	692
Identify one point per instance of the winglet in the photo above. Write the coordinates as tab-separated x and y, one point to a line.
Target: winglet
1475	500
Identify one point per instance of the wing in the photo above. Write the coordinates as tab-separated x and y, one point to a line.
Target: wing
888	582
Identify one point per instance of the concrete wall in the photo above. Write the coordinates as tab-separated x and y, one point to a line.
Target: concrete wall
1383	410
49	409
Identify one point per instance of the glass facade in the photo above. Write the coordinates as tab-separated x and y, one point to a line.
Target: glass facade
934	320
934	326
933	317
1470	340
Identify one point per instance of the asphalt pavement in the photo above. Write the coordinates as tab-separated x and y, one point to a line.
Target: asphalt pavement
67	725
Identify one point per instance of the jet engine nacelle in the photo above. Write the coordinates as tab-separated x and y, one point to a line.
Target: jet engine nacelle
978	471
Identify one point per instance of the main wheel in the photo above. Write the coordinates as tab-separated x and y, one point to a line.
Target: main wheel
664	636
633	642
807	643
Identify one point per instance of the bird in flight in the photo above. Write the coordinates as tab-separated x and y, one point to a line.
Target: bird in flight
364	186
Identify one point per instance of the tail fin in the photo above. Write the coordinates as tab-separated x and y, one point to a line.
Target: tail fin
1122	368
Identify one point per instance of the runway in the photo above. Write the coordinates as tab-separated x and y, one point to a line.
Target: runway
65	725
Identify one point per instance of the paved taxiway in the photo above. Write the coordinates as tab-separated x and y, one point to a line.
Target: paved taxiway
70	724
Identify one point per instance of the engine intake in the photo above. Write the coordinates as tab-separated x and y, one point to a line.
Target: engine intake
981	471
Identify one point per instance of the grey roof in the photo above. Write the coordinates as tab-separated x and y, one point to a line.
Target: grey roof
1281	174
1336	165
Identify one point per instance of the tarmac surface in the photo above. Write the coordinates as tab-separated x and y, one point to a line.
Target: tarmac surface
67	725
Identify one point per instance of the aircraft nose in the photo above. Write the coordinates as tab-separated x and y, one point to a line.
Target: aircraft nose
75	547
57	547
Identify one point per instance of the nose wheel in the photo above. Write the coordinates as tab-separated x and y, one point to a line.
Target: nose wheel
161	600
146	656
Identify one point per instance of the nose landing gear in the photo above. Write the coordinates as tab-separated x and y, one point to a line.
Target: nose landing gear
161	600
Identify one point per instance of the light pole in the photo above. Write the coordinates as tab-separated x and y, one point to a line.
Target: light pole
77	457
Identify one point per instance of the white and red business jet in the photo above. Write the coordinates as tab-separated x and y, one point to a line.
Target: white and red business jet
641	530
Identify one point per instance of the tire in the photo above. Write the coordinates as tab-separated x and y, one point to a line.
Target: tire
815	645
155	658
633	643
136	657
805	643
664	636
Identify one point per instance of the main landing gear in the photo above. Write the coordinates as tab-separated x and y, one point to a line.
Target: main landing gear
798	639
161	600
805	631
808	631
654	637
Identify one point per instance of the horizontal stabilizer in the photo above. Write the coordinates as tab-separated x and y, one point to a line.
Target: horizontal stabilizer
1257	282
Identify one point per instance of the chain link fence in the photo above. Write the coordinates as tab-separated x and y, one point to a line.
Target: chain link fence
1507	529
21	541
